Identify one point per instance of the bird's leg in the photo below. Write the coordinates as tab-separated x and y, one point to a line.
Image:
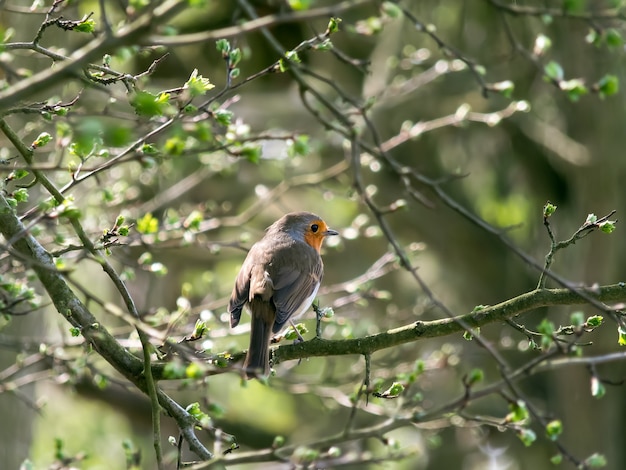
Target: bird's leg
318	319
299	339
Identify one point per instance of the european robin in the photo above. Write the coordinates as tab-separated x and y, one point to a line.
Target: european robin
278	281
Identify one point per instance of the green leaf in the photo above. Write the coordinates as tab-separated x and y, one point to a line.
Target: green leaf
396	389
393	391
223	46
58	449
327	312
577	318
556	459
298	146
292	335
595	461
305	455
145	258
197	84
21	195
622	336
573	6
27	465
252	153
554	429
175	145
68	210
216	410
527	436
575	88
19	174
194	410
475	376
290	56
279	441
138	4
101	381
325	45
87	26
518	412
469	335
149	149
594	321
193	220
148	224
554	71
546	328
147	104
608	226
7	34
200	329
41	140
194	371
607	85
299	5
174	370
333	25
548	210
593	37
613	38
234	57
223	117
391	10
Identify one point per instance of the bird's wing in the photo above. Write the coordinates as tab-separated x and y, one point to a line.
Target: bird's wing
241	292
295	285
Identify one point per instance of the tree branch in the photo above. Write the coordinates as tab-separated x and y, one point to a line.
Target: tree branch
448	326
77	314
133	32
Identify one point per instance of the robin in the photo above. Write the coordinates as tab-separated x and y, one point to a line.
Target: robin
278	280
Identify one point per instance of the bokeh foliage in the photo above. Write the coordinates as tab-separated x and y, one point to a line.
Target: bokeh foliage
146	145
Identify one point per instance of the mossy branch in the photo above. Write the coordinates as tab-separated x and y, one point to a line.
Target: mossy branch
448	326
77	314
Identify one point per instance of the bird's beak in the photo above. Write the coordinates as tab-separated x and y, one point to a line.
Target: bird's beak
330	232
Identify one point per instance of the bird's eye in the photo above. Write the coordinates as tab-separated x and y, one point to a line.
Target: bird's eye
314	228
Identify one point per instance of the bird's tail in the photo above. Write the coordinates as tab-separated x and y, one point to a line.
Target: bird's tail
257	361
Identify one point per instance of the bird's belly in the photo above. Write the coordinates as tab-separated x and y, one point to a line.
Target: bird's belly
306	304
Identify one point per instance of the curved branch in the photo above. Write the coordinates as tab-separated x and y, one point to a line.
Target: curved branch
106	43
447	326
76	313
256	24
527	10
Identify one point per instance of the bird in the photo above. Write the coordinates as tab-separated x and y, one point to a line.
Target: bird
278	282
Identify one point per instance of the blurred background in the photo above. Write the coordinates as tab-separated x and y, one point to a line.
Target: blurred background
213	200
